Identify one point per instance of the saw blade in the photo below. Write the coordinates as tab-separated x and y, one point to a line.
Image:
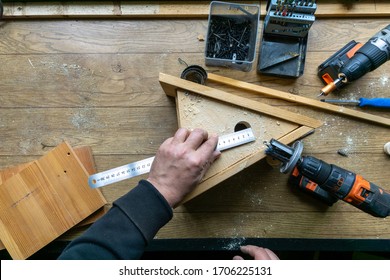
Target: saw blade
137	168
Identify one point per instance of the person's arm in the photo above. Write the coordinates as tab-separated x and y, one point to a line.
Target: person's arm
124	231
135	218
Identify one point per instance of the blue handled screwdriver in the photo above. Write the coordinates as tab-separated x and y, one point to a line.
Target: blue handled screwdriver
362	102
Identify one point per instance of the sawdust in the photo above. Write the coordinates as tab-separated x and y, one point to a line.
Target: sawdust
85	119
267	229
367	90
222	118
191	109
59	68
236	233
255	198
347	141
25	146
234	244
384	81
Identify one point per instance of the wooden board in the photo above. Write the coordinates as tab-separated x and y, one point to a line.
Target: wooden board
7	173
221	112
172	9
44	200
170	84
298	99
95	83
85	156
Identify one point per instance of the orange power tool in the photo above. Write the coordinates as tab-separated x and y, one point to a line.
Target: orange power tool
340	183
329	70
297	180
355	60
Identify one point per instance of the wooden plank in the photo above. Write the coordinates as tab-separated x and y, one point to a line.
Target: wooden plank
7	173
299	99
119	135
332	9
106	9
172	9
113	130
85	156
273	224
92	38
170	84
44	200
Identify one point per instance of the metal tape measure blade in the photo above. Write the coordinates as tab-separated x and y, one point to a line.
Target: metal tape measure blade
120	173
143	166
235	139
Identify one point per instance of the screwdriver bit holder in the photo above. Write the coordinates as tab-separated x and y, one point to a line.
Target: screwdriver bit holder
285	33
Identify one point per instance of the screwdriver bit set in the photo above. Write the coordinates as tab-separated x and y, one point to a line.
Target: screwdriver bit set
286	27
290	17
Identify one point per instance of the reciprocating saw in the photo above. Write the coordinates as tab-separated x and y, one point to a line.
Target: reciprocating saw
338	182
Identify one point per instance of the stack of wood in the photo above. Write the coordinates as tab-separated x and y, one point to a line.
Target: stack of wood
41	200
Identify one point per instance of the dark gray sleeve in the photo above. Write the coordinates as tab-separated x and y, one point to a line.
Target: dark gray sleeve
125	230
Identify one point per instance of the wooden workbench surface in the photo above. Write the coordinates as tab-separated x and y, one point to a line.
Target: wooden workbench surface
95	83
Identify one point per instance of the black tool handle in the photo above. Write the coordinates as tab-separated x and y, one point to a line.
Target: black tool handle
369	57
366	59
297	180
346	185
376	201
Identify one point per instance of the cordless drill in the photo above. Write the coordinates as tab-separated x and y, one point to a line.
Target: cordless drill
354	61
338	182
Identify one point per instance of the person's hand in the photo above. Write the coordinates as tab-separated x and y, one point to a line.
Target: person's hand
258	253
181	162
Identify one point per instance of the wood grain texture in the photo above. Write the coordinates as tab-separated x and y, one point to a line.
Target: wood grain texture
173	9
95	83
84	154
45	199
221	118
298	99
170	84
274	225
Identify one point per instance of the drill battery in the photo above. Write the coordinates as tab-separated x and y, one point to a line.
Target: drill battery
328	70
297	180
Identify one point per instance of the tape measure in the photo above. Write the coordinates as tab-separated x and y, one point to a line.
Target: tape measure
143	166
